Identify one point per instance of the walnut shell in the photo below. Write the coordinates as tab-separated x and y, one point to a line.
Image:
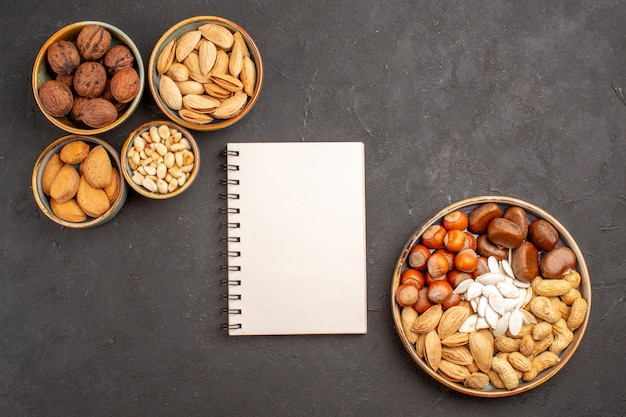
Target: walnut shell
90	79
98	112
93	42
125	85
118	57
63	57
77	108
56	98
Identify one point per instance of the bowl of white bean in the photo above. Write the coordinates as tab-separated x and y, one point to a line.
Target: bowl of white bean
491	296
160	159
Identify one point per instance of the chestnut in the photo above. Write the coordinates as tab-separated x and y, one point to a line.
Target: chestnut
503	232
481	216
557	262
486	248
518	216
543	234
412	276
525	262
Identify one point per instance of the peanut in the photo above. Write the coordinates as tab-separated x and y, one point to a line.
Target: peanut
563	336
507	344
571	296
542	330
542	362
519	361
506	372
543	308
577	314
527	345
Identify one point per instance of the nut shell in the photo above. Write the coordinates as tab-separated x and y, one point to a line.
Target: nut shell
98	112
118	57
56	98
90	79
63	57
125	85
93	42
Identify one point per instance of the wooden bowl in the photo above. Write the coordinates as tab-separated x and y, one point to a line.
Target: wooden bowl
42	72
43	201
174	33
566	239
127	170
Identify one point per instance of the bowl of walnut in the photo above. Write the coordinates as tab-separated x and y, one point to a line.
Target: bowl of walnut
205	73
88	78
491	296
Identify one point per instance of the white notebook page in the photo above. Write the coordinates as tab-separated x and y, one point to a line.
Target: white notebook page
302	238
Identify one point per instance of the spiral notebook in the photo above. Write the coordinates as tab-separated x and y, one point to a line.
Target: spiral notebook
295	238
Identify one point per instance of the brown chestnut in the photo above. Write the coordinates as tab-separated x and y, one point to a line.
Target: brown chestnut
486	248
543	234
557	262
518	216
481	216
525	262
505	233
419	256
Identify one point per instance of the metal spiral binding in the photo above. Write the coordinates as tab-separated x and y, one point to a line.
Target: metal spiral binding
228	282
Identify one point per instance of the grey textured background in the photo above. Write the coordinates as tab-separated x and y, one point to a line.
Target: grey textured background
453	99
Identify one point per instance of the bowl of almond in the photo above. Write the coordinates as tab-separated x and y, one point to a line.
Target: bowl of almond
77	182
205	73
491	296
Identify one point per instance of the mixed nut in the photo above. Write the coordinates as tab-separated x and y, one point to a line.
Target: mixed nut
161	159
92	80
490	297
206	74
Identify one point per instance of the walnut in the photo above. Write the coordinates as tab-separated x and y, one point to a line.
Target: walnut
118	57
90	79
93	42
98	112
77	108
56	98
67	79
63	57
125	85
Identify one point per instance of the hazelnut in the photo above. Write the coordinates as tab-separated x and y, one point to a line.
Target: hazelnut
98	112
90	79
93	42
125	85
56	98
63	57
117	58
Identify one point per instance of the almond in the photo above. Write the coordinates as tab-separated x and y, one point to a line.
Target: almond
451	320
481	347
452	371
217	34
50	171
428	320
432	349
97	167
65	184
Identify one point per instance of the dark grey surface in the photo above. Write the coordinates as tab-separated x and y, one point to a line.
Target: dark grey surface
452	99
